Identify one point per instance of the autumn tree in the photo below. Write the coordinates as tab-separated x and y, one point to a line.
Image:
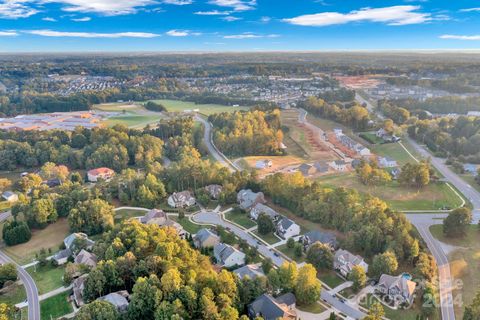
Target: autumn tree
307	287
91	216
457	222
385	263
98	310
359	277
320	256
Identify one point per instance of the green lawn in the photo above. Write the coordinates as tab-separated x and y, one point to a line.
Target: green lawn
463	262
403	314
47	278
206	109
269	238
289	252
15	294
330	278
133	121
471	181
395	151
312	308
240	218
56	306
189	226
124	214
432	197
371	137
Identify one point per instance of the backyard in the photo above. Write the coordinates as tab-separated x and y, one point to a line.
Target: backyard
464	262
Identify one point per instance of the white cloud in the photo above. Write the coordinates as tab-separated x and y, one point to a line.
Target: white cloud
394	16
50	19
181	33
231	18
178	2
250	35
84	19
52	33
265	19
14	9
470	10
106	7
460	37
8	33
212	13
237	5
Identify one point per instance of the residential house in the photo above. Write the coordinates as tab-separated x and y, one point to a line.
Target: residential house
344	262
471	168
181	199
398	288
387	162
78	285
381	132
260	208
86	258
52	183
214	190
78	236
356	163
227	256
263	164
353	145
321	167
97	174
10	196
287	228
154	216
251	270
182	233
307	169
339	165
270	308
205	238
119	300
327	238
61	257
247	198
395	173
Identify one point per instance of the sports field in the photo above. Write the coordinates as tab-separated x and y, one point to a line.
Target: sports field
206	109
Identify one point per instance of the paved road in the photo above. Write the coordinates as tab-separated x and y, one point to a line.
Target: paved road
211	217
212	149
370	107
30	288
423	222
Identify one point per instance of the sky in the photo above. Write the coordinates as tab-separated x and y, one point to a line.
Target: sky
237	25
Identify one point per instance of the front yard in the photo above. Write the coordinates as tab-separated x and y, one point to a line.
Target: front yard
56	306
240	218
290	252
189	226
270	238
47	278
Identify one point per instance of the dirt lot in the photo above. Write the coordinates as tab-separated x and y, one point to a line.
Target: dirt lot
279	163
304	140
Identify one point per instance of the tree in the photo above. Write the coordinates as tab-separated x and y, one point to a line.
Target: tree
16	232
287	276
472	311
265	224
320	256
7	312
42	212
426	267
384	263
358	277
144	298
290	243
98	310
456	223
4	184
308	287
8	272
375	312
91	216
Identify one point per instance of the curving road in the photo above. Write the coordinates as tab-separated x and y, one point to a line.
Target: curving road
29	284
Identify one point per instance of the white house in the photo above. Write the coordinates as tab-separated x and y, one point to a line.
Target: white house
181	199
263	164
287	228
260	208
10	196
338	165
344	261
100	174
227	256
380	132
397	288
387	162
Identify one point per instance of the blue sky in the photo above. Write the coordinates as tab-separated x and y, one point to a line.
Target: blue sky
237	25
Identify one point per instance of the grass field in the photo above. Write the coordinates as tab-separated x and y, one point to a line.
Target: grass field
47	278
464	262
189	226
56	306
119	107
269	238
432	197
133	121
330	278
395	151
371	137
124	214
471	181
206	109
49	238
403	314
312	308
289	252
15	294
240	218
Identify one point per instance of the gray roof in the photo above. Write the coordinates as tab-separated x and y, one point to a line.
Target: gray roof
304	168
203	234
62	254
247	198
286	223
118	299
68	241
321	167
250	270
323	237
261	208
86	258
270	308
153	214
223	251
8	194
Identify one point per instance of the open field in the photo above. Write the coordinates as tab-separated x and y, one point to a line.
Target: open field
432	197
49	238
47	278
118	107
133	121
278	162
206	109
464	263
56	306
395	151
240	218
125	214
13	294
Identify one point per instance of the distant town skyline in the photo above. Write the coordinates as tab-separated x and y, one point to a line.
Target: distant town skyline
237	25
